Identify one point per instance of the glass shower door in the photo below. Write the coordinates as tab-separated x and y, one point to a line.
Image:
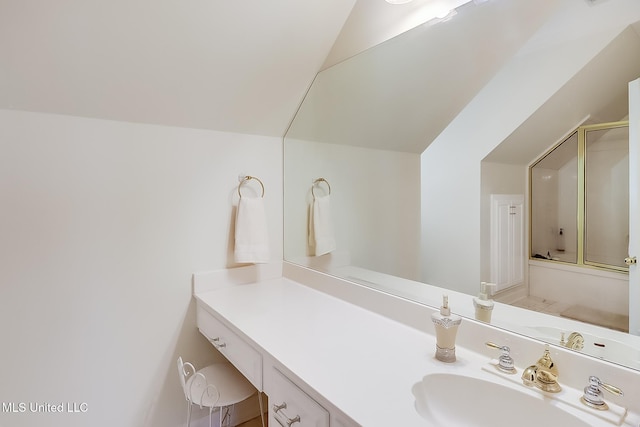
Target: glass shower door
554	180
606	196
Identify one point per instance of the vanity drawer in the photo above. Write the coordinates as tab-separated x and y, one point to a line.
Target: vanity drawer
235	349
291	406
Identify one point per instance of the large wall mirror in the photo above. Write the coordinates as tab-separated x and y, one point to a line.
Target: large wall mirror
419	137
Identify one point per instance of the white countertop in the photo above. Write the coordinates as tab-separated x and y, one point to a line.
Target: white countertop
361	362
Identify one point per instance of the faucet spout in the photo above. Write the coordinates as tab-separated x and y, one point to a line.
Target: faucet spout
575	341
543	375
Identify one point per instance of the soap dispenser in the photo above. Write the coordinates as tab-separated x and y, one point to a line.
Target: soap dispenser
483	303
446	325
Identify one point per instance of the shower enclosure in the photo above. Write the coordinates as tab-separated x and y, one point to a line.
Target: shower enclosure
579	199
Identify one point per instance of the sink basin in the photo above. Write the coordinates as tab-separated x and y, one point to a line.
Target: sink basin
446	400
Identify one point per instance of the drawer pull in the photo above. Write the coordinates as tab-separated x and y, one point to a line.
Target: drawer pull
276	408
217	343
289	421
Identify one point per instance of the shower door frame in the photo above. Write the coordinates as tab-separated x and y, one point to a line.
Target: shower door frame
581	132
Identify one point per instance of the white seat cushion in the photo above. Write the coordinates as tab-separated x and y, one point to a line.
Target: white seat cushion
230	383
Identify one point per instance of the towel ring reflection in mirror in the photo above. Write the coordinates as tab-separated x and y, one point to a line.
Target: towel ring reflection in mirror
317	182
244	178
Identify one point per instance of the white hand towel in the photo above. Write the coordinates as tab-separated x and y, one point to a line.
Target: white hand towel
252	242
321	237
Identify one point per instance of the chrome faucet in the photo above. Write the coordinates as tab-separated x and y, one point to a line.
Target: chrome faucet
544	374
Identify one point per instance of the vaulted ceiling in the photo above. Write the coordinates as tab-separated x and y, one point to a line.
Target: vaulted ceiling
238	66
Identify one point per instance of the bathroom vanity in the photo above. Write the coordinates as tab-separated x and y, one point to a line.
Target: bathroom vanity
328	352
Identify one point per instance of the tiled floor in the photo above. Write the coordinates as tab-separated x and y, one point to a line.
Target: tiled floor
542	305
576	312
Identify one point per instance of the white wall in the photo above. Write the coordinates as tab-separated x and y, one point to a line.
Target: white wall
102	224
375	202
451	213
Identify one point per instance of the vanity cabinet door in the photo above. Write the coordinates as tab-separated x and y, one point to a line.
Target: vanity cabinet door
290	406
233	347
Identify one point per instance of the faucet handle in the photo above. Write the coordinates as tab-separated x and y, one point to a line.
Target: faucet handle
505	361
593	393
